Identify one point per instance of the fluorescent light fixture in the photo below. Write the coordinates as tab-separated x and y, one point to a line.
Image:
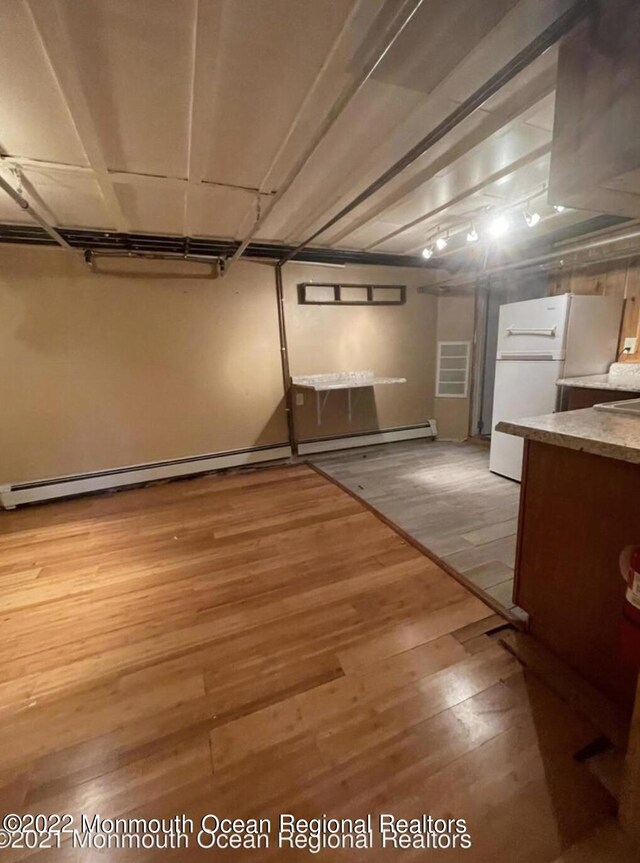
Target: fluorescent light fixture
427	253
531	219
441	243
499	227
559	208
472	236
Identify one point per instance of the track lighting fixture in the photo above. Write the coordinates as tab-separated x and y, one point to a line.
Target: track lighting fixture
427	253
531	218
472	236
559	208
441	243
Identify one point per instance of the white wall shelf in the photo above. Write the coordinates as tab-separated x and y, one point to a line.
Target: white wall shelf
322	385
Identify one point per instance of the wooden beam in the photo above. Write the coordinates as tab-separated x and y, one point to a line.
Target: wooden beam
48	22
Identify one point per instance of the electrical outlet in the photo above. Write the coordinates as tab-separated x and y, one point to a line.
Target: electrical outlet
630	346
299	399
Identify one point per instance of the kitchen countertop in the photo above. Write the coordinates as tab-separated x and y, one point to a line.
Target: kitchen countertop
625	383
597	432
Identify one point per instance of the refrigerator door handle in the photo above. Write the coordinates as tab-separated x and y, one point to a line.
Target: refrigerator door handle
528	355
532	331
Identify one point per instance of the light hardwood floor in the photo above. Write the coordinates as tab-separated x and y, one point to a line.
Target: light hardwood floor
443	495
260	643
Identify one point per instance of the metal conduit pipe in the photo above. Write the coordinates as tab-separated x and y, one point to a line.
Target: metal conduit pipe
548	258
560	27
284	361
215	263
408	10
24	205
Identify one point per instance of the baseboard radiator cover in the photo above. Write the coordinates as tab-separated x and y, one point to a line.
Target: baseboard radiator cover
318	445
68	486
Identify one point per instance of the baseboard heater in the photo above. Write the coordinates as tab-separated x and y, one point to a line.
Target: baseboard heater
318	445
66	486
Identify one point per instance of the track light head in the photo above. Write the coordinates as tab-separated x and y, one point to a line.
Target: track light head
441	243
559	208
472	236
531	218
427	253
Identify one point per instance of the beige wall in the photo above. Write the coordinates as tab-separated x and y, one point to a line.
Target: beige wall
455	324
395	341
102	371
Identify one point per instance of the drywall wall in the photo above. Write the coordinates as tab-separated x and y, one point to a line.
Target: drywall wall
395	341
455	324
104	371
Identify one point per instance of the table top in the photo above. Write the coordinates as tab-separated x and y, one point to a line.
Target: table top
343	381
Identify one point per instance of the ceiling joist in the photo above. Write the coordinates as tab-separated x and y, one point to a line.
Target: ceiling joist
506	171
57	46
492	127
206	57
346	97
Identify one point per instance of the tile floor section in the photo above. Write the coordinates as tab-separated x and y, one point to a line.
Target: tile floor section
444	495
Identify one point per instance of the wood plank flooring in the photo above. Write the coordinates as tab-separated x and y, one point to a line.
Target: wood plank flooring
261	643
444	496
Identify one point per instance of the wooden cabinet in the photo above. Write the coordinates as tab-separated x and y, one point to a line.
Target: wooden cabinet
577	512
574	398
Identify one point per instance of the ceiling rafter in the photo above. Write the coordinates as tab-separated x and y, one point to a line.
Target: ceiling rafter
303	226
207	29
57	46
493	125
402	19
33	210
135	178
306	101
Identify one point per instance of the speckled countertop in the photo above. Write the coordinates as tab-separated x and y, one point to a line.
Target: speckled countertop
626	383
598	432
343	381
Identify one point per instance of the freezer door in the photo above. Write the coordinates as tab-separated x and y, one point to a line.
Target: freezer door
592	335
534	329
523	389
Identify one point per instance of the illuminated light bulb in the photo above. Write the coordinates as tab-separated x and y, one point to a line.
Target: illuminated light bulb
559	208
499	226
426	253
472	236
441	243
531	219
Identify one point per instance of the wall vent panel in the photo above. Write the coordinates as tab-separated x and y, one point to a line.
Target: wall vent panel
452	375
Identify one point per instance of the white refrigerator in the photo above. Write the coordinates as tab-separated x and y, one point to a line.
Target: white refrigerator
540	341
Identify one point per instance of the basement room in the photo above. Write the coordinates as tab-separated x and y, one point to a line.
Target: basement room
320	436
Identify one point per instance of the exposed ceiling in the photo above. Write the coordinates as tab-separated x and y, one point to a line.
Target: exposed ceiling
191	117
